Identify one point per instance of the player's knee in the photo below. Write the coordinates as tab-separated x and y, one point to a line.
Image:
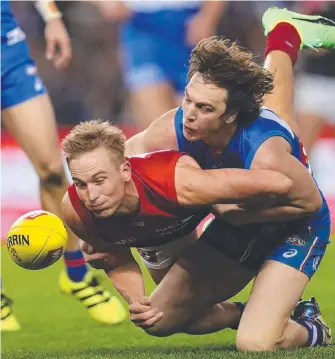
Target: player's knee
52	174
254	342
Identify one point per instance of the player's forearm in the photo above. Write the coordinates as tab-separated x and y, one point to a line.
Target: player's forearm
238	216
128	281
256	185
197	188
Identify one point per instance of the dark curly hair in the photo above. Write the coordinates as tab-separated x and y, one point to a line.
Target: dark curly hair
226	65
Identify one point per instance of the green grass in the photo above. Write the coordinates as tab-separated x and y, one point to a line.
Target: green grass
56	326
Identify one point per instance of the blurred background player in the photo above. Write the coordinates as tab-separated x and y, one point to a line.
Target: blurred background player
28	115
156	39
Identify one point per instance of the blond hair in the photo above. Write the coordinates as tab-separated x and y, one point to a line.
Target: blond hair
90	135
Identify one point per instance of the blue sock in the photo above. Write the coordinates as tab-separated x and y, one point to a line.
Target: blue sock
75	265
315	336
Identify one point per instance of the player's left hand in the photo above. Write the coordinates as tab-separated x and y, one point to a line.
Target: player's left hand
58	44
143	315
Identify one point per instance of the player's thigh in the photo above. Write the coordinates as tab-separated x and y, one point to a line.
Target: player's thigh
201	277
150	102
32	124
275	292
151	94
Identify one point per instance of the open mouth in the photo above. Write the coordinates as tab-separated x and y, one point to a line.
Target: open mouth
189	130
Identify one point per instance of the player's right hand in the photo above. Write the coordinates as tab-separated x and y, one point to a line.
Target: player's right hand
143	315
58	44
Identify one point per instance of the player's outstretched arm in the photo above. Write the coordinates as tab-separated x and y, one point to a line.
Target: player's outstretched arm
116	260
196	187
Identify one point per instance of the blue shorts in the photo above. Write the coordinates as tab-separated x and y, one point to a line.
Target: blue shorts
19	79
151	56
297	245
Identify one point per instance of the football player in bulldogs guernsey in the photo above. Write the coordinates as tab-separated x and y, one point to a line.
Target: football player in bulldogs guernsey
221	124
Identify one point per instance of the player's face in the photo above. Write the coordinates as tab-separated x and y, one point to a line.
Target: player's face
100	183
203	105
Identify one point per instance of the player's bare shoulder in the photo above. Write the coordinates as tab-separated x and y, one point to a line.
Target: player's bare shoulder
271	153
160	135
186	161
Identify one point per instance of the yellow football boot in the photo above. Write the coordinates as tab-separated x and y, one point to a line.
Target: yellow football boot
8	319
100	304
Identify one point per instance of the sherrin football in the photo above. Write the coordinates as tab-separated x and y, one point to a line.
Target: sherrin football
36	240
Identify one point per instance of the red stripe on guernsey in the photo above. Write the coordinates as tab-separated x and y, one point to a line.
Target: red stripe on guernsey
84	214
308	254
75	262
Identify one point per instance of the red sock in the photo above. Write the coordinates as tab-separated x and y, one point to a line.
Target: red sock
284	37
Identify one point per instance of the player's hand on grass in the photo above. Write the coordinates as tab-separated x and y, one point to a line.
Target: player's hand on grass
143	315
58	44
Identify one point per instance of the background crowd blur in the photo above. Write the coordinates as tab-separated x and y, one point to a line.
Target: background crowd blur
112	75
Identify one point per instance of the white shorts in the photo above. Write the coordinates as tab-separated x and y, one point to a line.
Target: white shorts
315	94
161	257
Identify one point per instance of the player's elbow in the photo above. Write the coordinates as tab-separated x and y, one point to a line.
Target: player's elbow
309	204
313	205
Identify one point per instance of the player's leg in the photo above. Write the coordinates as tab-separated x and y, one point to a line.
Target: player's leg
287	33
276	291
150	92
314	95
150	101
159	260
279	63
265	323
310	128
203	276
32	124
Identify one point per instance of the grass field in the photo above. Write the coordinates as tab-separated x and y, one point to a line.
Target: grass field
56	326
